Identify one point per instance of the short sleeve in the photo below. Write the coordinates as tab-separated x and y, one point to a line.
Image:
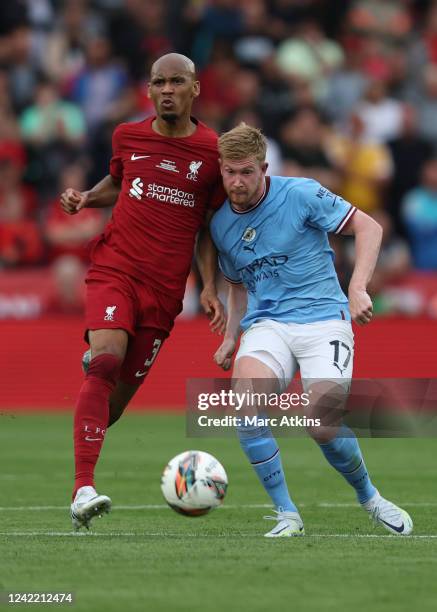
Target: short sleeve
325	210
228	269
116	163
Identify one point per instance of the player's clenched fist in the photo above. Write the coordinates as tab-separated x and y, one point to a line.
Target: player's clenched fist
72	201
223	355
360	305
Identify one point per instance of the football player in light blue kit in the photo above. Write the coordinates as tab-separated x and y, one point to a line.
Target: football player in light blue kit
272	239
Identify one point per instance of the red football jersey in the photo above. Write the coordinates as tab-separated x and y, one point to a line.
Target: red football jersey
167	185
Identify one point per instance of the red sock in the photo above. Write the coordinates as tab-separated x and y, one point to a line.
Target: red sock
91	416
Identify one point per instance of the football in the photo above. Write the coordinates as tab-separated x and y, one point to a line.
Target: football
193	483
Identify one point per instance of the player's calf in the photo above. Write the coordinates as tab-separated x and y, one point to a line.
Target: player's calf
119	398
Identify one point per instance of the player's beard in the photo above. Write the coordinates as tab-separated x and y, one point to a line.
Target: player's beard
169	117
242	202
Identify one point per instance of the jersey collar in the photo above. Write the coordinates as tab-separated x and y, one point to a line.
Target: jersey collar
258	203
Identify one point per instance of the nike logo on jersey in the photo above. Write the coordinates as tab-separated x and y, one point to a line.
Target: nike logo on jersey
134	157
140	374
88	439
394	527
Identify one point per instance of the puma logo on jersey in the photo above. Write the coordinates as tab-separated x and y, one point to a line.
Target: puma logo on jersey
134	156
136	191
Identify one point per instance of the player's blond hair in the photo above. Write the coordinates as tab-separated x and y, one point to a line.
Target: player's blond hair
241	142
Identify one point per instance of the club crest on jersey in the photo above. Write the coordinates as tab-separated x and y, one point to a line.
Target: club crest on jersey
249	234
194	170
109	316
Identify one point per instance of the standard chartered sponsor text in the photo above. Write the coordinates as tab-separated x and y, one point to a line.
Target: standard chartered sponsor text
173	195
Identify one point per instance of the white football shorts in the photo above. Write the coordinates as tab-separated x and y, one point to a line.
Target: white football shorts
322	351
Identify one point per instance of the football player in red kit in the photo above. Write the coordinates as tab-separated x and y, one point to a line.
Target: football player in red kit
165	180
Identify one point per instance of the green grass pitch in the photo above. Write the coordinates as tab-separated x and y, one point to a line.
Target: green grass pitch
144	556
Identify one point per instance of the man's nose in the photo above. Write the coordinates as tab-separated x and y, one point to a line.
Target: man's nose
168	87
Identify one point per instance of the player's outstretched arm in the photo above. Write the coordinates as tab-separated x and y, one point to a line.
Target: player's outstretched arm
237	305
368	236
102	195
206	257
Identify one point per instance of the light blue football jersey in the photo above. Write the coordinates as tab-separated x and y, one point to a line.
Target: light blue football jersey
279	250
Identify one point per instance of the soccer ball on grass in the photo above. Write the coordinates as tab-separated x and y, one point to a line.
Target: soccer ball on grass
193	483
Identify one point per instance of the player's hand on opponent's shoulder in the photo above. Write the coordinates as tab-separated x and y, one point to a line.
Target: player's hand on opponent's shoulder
360	305
214	310
223	355
72	201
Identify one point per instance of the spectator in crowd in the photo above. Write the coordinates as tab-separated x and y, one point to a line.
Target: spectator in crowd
419	211
217	81
66	234
21	70
389	21
64	56
423	47
302	144
380	114
20	240
425	99
255	44
139	32
310	57
68	293
9	128
219	21
54	131
365	167
344	88
41	16
250	116
409	152
100	84
52	120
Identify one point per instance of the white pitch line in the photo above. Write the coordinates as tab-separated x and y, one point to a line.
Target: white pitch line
225	507
160	534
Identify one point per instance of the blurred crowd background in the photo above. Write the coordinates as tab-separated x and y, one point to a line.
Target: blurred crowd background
346	93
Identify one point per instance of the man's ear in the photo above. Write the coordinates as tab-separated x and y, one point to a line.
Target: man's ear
221	165
148	91
196	89
264	167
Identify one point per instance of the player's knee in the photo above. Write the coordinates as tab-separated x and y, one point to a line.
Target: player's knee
326	411
106	367
108	348
108	342
321	434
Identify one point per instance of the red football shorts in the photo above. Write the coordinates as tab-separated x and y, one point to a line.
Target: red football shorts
115	300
